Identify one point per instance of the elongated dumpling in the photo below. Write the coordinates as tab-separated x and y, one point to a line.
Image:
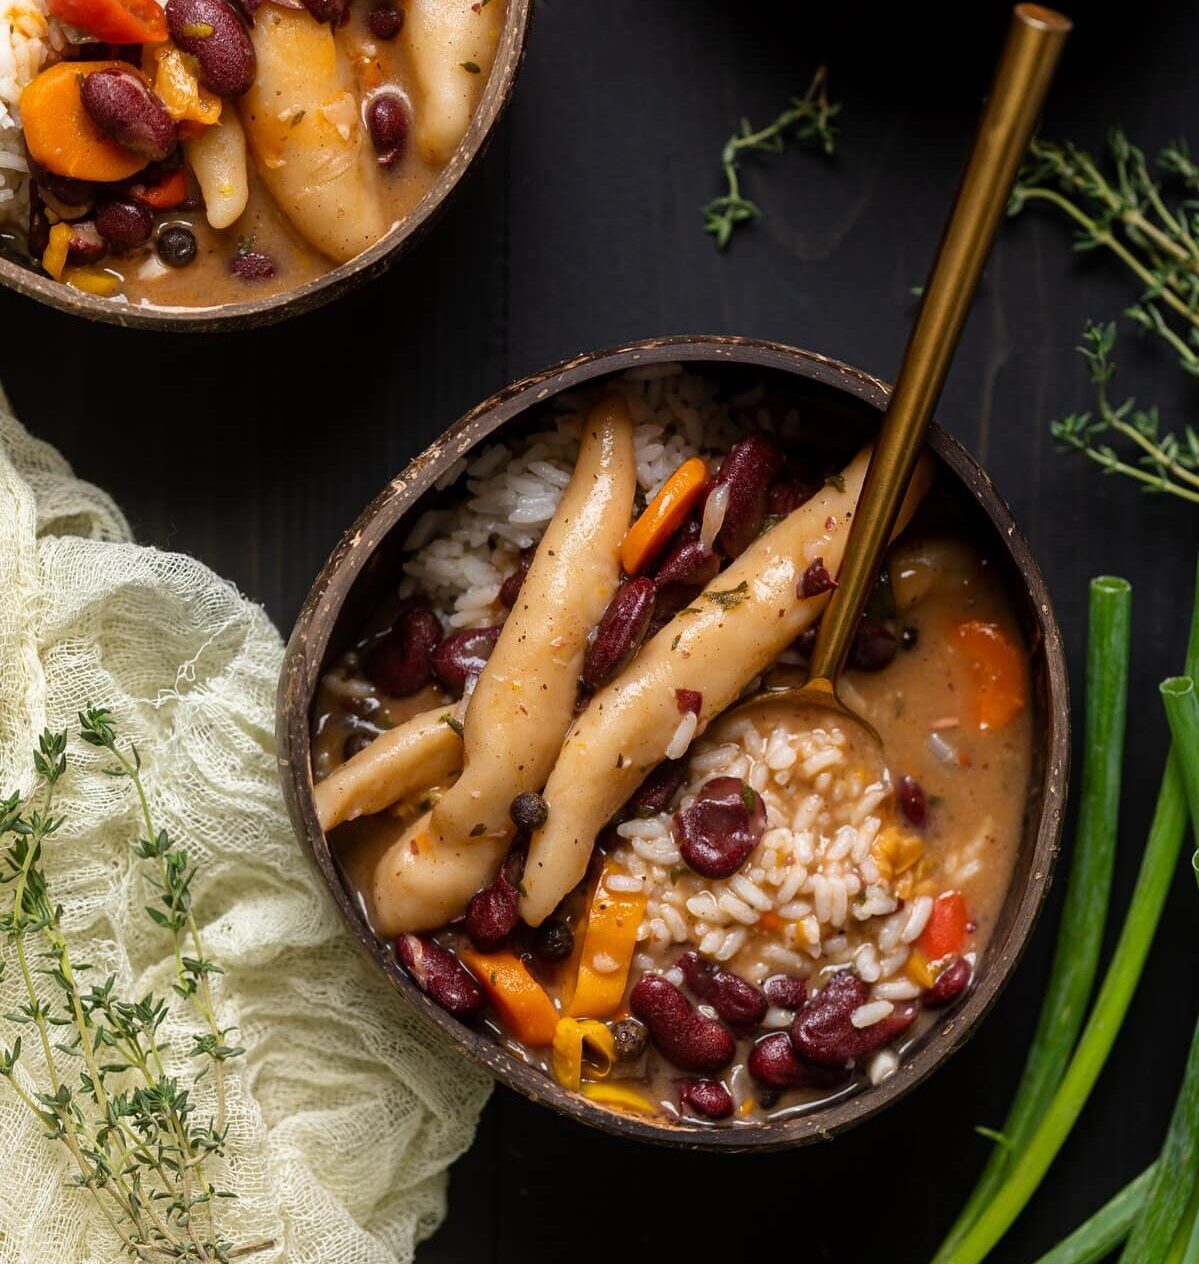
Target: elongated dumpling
397	765
452	44
735	629
522	705
218	158
303	124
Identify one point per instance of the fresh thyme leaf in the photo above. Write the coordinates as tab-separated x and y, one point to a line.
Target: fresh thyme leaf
749	797
455	724
471	68
674	645
807	118
729	597
835	480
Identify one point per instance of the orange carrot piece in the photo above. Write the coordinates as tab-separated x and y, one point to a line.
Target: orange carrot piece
997	667
945	934
663	516
520	1000
114	21
59	133
609	940
164	194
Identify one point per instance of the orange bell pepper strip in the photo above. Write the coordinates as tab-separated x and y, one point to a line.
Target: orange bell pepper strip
945	934
609	941
114	21
663	516
519	999
164	194
997	667
59	132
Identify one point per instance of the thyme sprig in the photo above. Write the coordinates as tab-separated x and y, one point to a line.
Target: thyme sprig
1127	211
136	1141
1162	463
807	118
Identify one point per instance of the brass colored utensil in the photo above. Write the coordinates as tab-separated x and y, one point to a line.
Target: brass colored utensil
1026	66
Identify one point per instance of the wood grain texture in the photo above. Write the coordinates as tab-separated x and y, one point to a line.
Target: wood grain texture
581	230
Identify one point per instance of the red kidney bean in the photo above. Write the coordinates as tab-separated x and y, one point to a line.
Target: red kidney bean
873	647
656	793
689	701
912	801
950	984
212	32
686	1038
64	189
620	632
385	21
688	563
708	1098
824	1034
463	655
124	224
723	824
123	106
774	1063
387	122
492	914
86	244
251	265
786	494
439	974
331	11
816	580
402	663
787	991
510	588
747	471
735	999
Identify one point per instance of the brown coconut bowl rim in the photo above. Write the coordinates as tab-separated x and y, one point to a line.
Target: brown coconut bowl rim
310	643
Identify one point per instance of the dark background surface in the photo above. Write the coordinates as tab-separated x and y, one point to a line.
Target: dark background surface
582	229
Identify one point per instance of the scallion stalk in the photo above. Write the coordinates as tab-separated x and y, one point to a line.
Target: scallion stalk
1158	863
1088	891
1097	1237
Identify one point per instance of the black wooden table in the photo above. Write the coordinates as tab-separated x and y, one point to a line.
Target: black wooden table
582	229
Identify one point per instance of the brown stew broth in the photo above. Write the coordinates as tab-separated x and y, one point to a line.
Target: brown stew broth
924	706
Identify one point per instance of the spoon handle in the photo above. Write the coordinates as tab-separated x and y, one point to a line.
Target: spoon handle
1026	66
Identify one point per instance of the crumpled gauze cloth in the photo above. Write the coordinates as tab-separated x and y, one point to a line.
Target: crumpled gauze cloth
346	1109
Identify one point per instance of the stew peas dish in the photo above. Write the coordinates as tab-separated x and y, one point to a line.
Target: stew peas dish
212	151
530	775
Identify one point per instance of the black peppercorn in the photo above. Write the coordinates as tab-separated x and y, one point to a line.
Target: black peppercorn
529	811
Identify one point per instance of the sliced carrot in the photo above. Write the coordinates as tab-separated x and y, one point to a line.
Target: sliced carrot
114	21
520	1000
609	941
771	922
663	516
59	133
997	666
164	194
945	934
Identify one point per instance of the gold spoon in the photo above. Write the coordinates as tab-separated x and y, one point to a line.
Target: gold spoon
1026	66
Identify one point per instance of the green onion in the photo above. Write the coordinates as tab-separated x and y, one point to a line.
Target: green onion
1088	891
1097	1237
1153	881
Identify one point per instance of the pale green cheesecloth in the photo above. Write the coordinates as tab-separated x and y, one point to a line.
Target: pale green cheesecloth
347	1109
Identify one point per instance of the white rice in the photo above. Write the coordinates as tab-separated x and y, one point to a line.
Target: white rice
28	39
463	554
